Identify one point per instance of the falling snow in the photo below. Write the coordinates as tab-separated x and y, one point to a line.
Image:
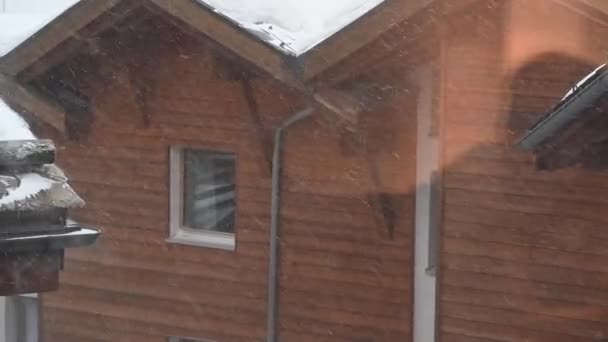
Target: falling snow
17	26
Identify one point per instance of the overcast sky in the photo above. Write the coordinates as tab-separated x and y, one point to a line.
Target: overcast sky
32	5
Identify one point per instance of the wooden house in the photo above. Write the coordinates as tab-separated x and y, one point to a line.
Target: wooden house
370	189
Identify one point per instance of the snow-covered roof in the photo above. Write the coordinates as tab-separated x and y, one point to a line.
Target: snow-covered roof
29	186
292	26
18	24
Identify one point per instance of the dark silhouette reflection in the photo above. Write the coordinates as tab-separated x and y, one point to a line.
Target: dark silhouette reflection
540	84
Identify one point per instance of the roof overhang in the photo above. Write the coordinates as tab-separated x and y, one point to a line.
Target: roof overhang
370	26
71	32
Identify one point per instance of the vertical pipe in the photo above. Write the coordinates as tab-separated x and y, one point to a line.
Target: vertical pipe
275	216
3	319
426	221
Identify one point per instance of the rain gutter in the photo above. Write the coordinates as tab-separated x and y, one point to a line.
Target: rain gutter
570	110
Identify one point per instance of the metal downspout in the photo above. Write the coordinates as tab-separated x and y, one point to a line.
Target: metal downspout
275	213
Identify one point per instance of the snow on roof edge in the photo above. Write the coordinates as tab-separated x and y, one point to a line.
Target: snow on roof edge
363	10
30	184
291	26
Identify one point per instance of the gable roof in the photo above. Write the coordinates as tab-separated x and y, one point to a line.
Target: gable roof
83	19
73	29
366	20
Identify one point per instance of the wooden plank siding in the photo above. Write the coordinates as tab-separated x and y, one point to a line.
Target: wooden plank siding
343	275
523	251
377	308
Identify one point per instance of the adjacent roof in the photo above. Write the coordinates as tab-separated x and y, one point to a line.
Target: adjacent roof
573	107
575	131
30	183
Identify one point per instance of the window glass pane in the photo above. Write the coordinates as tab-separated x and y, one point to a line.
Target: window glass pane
209	191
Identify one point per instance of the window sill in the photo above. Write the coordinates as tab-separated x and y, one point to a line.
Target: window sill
204	239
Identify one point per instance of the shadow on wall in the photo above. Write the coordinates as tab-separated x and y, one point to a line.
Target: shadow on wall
539	85
565	204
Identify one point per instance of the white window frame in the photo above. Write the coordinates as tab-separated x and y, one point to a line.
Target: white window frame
184	235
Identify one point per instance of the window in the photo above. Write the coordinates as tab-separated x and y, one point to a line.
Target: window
203	203
21	319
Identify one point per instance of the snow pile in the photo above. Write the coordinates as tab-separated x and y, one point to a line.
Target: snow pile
30	184
12	126
15	188
17	26
293	26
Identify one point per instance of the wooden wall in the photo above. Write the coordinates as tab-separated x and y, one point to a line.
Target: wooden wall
524	252
347	268
134	286
344	275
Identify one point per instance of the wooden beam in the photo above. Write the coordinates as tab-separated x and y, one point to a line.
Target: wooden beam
42	108
83	42
231	37
361	33
59	30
